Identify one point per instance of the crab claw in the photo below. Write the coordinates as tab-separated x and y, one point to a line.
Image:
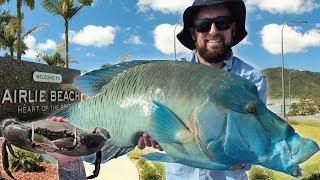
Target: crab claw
5	160
97	164
32	132
75	137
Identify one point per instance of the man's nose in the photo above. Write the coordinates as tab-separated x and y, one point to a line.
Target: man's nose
213	29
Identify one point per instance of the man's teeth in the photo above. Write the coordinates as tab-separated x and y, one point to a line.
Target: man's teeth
214	41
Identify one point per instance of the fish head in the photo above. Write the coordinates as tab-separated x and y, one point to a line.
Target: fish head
254	134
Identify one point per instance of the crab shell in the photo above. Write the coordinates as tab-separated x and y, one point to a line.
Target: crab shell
55	137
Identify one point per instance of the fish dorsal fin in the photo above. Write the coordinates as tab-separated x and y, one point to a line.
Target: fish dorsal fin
92	82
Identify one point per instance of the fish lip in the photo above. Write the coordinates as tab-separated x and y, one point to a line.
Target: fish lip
292	152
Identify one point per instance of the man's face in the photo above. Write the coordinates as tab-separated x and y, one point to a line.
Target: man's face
213	46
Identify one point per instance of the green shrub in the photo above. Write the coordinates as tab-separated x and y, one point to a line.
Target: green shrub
26	161
314	176
258	173
148	172
160	168
304	107
135	154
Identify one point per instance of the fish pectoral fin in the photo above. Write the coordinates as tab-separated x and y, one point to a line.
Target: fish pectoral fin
167	128
158	157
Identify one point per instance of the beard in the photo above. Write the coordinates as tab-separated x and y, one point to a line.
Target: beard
215	55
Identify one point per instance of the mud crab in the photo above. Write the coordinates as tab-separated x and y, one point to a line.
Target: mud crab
44	136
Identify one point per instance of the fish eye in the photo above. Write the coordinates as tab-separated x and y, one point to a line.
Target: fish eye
251	108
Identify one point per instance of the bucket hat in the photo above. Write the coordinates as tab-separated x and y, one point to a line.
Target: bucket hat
236	7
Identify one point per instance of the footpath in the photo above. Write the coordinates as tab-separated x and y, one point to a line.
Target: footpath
121	168
311	118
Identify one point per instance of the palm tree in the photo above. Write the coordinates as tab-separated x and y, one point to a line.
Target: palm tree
67	9
8	29
28	3
56	58
7	32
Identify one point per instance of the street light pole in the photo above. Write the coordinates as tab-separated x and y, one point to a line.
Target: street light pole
283	95
289	83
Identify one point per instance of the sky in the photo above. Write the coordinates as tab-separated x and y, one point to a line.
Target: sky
108	30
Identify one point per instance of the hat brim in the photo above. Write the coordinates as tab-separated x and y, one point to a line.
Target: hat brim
237	9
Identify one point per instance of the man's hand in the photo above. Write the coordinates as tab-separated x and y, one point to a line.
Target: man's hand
58	119
146	140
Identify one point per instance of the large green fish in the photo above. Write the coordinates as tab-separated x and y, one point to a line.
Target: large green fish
201	116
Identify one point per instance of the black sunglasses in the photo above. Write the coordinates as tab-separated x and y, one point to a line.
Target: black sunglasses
222	23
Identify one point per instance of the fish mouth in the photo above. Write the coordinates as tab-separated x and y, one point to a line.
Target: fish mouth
288	154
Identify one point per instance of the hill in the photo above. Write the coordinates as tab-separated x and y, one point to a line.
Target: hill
302	83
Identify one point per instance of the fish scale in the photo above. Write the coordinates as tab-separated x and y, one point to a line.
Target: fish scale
201	116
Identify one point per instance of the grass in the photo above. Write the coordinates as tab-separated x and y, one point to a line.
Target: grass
308	130
147	169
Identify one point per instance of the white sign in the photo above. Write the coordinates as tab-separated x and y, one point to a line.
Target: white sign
47	77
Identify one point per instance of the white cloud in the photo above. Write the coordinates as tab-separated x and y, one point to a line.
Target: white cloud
283	6
259	17
97	36
30	41
134	39
318	25
293	40
164	6
150	17
90	54
48	45
33	47
245	41
31	53
163	38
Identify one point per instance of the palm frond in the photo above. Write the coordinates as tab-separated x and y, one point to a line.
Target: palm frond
52	6
86	2
35	29
29	3
74	11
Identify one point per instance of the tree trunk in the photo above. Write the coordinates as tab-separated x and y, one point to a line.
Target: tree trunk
19	3
67	42
11	53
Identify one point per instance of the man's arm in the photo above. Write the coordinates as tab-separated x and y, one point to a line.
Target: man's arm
261	83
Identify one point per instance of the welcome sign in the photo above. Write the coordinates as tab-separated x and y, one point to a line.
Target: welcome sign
31	91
